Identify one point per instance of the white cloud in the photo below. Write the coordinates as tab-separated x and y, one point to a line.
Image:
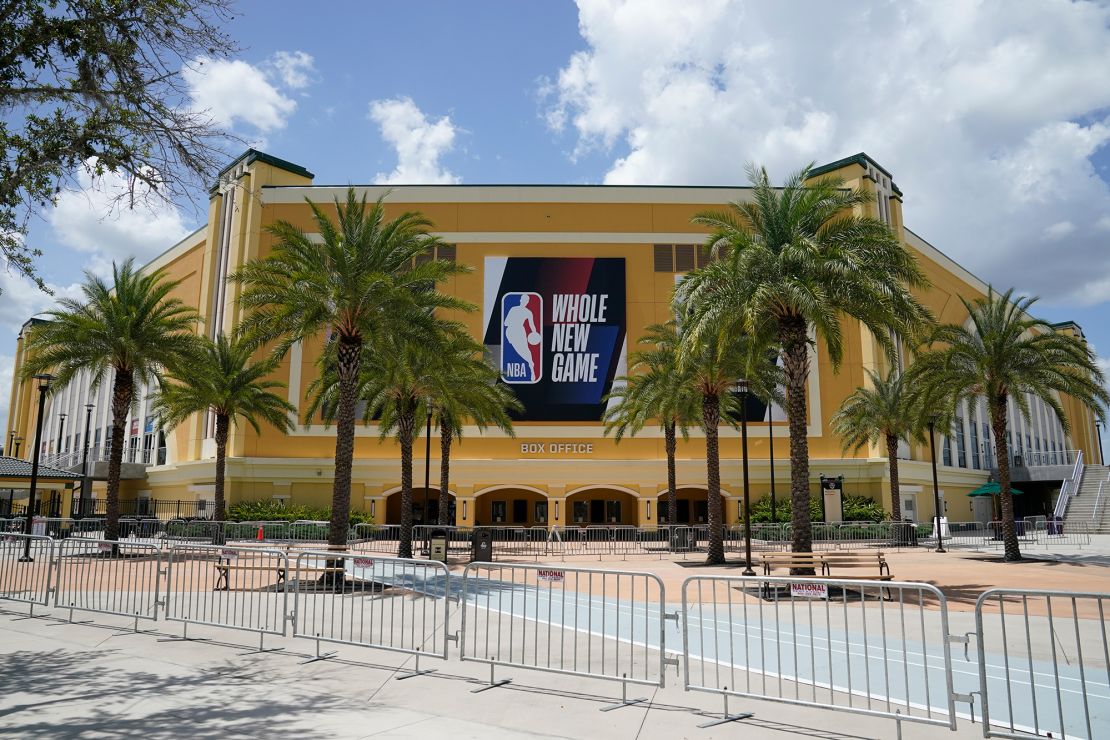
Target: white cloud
296	68
419	142
232	91
22	299
102	220
987	113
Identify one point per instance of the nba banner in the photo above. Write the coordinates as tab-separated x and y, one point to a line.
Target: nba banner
554	327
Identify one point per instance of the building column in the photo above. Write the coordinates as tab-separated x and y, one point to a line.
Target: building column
557	513
465	506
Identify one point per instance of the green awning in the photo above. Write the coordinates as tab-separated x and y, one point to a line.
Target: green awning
993	489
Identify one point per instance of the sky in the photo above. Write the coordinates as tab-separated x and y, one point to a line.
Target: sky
993	117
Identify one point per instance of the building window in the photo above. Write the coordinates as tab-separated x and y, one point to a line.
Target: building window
961	453
581	512
988	453
684	257
664	258
680	257
498	511
946	455
975	461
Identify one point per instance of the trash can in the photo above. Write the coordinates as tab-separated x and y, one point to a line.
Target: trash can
481	543
437	547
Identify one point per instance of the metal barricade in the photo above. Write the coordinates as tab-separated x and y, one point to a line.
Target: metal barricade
1071	533
265	532
1044	663
377	602
305	531
383	538
195	531
577	621
109	577
870	647
241	588
26	569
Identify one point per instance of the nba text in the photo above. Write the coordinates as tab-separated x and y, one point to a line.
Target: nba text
571	318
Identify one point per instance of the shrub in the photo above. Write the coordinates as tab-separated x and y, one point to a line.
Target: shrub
270	510
761	509
862	509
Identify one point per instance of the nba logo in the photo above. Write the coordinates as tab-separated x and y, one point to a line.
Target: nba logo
521	337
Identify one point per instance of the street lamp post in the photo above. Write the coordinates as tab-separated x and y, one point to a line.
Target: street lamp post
44	385
742	386
771	441
61	432
1098	431
85	460
936	487
427	467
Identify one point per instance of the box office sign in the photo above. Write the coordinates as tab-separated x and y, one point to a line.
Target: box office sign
555	329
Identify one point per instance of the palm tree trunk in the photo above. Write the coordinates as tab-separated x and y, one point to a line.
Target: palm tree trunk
446	432
123	390
892	460
711	419
406	423
350	356
672	486
997	409
222	424
795	361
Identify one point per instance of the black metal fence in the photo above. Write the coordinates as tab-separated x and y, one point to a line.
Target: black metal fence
83	508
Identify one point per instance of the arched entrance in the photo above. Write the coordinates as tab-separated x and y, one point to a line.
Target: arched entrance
693	506
393	506
511	506
602	505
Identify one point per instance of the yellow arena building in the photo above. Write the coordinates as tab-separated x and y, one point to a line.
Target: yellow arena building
586	268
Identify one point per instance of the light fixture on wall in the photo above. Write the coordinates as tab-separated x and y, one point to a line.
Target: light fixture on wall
647	509
464	510
556	511
373	508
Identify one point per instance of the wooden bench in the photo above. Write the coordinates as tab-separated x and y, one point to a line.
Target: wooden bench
824	564
840	560
225	566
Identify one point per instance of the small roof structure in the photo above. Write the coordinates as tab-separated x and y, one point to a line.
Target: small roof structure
15	470
991	488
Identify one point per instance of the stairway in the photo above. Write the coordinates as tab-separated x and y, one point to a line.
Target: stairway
1081	508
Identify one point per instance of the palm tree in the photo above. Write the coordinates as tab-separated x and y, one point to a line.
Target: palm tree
467	389
226	382
131	330
398	374
715	362
797	259
1004	354
363	277
658	389
886	412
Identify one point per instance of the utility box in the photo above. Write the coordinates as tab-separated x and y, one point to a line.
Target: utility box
481	546
437	545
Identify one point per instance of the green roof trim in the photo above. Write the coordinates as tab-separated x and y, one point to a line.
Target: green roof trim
862	160
1068	325
251	156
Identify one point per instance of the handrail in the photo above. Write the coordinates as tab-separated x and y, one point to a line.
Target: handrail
1066	491
1098	500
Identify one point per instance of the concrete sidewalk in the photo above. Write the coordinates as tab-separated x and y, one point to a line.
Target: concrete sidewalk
99	679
